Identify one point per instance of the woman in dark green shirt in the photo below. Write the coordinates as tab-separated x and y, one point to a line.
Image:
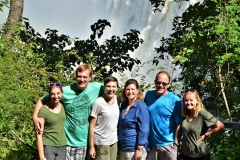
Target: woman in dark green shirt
51	142
194	128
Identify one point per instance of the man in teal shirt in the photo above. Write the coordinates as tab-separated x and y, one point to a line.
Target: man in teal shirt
165	119
78	99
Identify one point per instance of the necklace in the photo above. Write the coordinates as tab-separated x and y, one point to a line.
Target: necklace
126	111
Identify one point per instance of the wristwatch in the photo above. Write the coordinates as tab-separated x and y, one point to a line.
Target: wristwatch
140	149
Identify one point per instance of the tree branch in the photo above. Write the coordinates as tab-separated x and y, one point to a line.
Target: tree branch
223	93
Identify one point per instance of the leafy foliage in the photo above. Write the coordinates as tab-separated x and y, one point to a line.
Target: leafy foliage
22	82
109	57
28	62
205	44
3	3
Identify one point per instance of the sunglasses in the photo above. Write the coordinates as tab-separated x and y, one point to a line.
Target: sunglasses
55	84
159	83
191	90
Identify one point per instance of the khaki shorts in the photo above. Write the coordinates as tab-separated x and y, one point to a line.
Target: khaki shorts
108	152
162	153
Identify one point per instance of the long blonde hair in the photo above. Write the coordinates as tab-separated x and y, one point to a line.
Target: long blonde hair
199	105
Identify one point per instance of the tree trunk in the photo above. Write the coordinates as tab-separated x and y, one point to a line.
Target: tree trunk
14	16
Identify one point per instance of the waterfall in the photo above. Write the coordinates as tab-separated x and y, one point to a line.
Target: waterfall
137	14
74	19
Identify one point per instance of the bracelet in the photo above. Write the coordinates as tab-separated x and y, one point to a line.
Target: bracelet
205	135
140	149
176	144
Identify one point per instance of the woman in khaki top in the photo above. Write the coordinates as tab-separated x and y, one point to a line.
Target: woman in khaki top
194	128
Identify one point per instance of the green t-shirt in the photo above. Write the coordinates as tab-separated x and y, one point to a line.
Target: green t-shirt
54	134
192	131
78	106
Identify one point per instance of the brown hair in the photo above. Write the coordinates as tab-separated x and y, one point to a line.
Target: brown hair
199	105
110	79
54	85
84	67
165	72
128	82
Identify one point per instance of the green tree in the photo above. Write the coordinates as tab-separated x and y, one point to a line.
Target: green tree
28	62
205	44
22	82
3	3
109	57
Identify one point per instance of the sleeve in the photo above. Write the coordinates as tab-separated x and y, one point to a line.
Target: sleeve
178	111
146	98
46	97
95	108
143	121
101	91
209	119
42	112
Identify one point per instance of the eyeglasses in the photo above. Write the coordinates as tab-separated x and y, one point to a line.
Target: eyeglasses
55	84
159	83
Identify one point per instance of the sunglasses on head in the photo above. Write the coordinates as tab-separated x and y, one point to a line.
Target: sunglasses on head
55	84
190	90
159	83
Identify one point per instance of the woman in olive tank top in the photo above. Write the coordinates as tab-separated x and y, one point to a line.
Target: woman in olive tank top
51	141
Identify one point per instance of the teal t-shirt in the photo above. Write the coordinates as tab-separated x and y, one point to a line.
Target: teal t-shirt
165	115
77	106
53	134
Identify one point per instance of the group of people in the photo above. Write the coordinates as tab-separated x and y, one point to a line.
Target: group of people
87	120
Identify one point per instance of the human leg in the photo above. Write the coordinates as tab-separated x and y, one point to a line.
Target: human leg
152	155
49	152
166	153
183	157
61	153
144	154
74	153
123	155
102	152
207	157
113	151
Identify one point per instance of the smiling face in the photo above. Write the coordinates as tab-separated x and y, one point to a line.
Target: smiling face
82	79
111	89
131	92
190	101
162	83
55	94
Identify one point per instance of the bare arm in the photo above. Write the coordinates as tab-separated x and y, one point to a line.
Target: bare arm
40	142
92	151
216	127
36	121
178	135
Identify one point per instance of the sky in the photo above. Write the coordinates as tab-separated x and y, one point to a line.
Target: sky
68	17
